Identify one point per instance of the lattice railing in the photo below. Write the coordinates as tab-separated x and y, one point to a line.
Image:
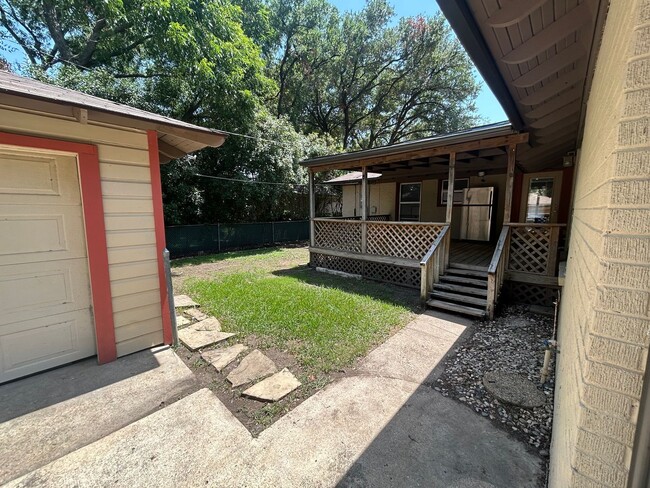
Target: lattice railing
533	248
344	235
407	240
400	239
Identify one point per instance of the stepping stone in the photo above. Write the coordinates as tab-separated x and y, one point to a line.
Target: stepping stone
220	358
209	324
181	301
181	321
274	387
197	339
513	388
253	367
196	314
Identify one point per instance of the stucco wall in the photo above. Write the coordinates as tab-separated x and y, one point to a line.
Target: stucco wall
604	318
129	220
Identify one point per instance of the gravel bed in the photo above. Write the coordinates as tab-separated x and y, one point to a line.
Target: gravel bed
512	343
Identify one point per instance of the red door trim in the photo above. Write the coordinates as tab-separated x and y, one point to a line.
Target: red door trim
159	221
93	211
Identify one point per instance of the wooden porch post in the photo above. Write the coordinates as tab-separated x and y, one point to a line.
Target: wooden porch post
510	179
364	208
450	186
312	208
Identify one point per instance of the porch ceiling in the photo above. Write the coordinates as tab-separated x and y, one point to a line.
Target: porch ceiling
537	56
481	148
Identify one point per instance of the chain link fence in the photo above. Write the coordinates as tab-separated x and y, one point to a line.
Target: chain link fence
194	240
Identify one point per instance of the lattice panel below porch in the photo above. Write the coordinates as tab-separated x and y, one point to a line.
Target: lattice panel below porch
389	273
529	294
336	263
392	274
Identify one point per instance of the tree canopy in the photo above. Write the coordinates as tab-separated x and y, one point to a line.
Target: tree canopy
298	77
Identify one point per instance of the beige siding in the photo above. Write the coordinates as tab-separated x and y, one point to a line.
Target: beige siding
381	201
604	324
130	236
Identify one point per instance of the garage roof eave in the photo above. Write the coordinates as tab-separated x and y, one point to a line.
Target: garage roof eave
105	111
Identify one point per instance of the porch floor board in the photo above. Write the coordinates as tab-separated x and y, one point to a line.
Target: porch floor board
471	253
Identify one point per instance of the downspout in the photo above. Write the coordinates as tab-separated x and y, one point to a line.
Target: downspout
170	296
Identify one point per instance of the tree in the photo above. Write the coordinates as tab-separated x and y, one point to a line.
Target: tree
365	82
192	60
271	155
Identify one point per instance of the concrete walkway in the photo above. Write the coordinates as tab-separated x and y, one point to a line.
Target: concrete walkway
382	426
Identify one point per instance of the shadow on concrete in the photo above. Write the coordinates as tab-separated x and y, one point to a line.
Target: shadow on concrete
41	390
435	441
386	292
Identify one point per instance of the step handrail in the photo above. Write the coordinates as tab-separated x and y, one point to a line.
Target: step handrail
434	262
497	269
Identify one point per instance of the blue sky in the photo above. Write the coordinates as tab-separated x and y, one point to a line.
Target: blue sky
487	105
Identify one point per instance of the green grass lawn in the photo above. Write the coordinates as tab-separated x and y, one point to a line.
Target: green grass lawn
325	321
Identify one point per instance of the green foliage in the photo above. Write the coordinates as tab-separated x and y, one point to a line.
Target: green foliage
297	76
367	82
271	155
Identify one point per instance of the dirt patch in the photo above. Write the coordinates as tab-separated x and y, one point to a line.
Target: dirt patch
203	267
255	415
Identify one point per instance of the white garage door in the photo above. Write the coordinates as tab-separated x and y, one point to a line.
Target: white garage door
45	317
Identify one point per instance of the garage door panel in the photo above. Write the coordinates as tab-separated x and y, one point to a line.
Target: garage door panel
56	287
45	304
38	233
29	178
43	343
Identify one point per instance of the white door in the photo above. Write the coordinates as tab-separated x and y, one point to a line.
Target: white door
45	316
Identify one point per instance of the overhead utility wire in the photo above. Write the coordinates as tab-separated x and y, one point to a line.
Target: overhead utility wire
239	180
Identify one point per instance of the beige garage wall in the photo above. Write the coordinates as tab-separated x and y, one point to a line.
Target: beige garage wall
126	189
604	326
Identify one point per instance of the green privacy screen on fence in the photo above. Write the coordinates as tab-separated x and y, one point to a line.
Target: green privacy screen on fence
190	240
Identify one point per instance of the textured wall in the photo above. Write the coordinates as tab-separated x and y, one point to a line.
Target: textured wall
604	317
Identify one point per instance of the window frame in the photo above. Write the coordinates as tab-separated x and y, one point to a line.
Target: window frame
458	192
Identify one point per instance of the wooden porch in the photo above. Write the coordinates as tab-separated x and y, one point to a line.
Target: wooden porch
461	276
470	253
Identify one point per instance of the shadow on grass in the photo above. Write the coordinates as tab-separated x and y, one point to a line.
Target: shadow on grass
385	292
215	258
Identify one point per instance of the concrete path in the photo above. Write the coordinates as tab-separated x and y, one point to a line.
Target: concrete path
382	426
49	415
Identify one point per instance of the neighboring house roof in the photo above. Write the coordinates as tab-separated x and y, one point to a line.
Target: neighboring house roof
537	56
485	131
178	138
351	178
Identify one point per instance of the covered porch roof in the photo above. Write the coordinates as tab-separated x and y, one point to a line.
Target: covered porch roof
538	58
480	148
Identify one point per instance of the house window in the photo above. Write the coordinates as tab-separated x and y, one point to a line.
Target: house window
409	202
459	185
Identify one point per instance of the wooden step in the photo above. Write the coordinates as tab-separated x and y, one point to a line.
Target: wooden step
465	281
454	307
467	272
455	297
471	267
468	290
